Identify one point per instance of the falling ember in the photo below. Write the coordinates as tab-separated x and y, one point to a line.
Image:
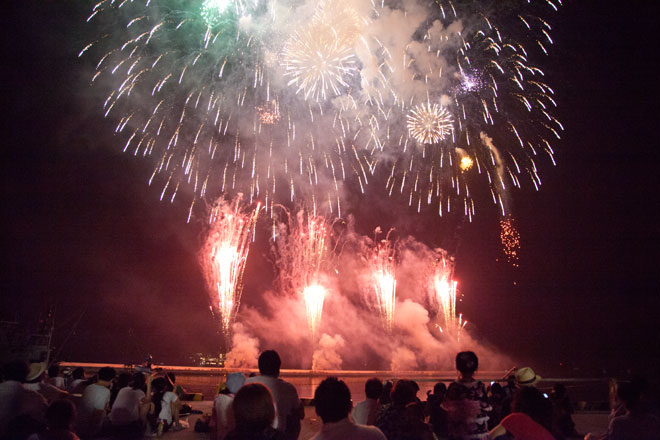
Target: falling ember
301	250
510	238
268	114
466	163
429	124
314	296
383	281
224	255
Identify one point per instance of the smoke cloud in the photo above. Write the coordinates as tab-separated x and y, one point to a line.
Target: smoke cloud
326	356
352	333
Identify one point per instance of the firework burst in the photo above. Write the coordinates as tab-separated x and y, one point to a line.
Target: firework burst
301	248
443	294
466	163
285	100
319	58
429	124
383	280
224	255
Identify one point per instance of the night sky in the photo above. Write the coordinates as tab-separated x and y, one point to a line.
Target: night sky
86	235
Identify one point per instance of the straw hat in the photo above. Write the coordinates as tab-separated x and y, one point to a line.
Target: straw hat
525	376
36	370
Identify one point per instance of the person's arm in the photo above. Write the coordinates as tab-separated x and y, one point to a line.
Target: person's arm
174	407
497	431
145	404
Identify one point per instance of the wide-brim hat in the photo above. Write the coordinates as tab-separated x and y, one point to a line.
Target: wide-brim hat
36	370
525	376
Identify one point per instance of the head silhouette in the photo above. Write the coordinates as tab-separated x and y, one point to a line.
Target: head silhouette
332	400
270	363
373	388
467	362
253	407
403	392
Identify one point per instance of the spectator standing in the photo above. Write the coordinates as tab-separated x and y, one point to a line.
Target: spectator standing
254	412
332	400
366	411
466	401
289	409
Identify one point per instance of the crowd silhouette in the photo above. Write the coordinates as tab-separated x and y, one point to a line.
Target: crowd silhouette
39	403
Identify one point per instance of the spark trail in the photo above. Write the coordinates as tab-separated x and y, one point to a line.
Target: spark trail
301	249
383	279
224	254
285	101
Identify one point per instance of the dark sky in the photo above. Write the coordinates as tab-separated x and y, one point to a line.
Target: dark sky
86	235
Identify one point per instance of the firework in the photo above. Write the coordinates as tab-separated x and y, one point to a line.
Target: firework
429	124
494	89
383	281
302	252
224	255
445	291
510	238
284	100
268	114
319	57
314	295
466	163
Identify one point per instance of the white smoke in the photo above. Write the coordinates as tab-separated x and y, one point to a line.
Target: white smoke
245	349
351	329
501	189
326	356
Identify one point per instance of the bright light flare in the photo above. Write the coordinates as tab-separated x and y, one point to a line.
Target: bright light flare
429	124
302	254
466	163
224	255
314	297
445	290
385	286
381	265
